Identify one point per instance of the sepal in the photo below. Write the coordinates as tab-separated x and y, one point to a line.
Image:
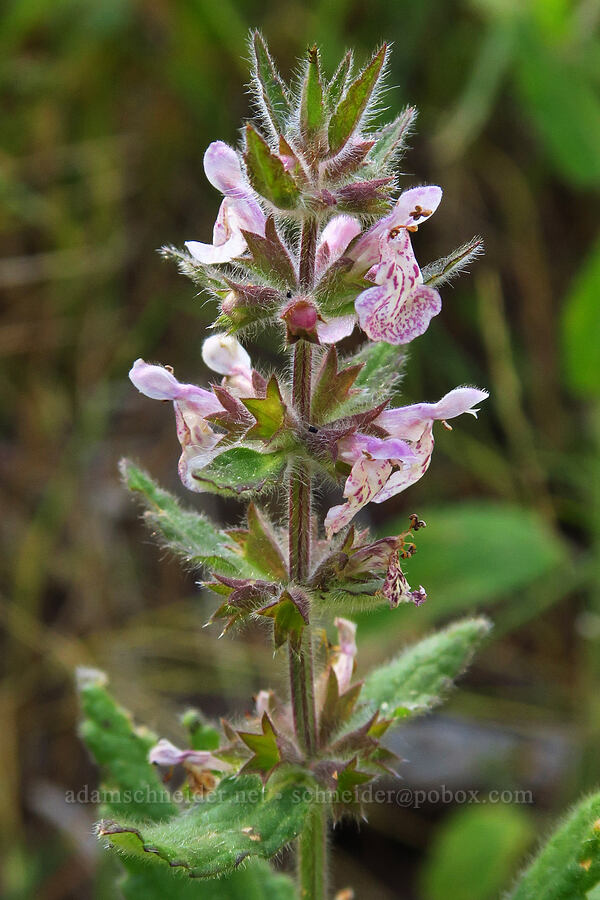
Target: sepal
332	386
272	93
267	174
269	412
353	104
290	614
269	256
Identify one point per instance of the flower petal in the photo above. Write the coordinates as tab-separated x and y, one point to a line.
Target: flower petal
365	481
335	329
212	255
159	383
343	665
335	237
408	422
167	754
224	171
224	354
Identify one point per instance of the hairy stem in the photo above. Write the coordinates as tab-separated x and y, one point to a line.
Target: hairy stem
312	844
312	854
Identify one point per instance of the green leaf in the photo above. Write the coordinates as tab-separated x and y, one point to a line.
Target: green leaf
240	820
270	86
311	104
259	545
255	880
332	386
289	618
563	103
338	83
269	256
266	755
382	366
351	107
581	329
477	850
269	412
568	866
185	532
267	174
391	138
130	784
421	675
202	735
459	553
448	267
241	472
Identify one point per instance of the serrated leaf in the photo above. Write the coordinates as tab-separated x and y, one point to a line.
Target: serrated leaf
332	386
267	174
270	85
255	880
422	675
311	104
130	784
269	412
240	820
351	107
241	472
187	533
269	256
289	615
568	866
266	756
390	139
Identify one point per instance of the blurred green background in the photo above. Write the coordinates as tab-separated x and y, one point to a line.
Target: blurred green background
107	109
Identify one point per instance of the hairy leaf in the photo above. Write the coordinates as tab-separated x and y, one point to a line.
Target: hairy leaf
332	386
269	256
338	83
391	138
267	174
240	820
568	866
311	105
421	675
351	107
448	267
269	412
270	86
187	533
241	472
382	367
130	785
254	880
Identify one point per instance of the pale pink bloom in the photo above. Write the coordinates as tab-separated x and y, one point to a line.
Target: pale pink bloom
191	404
412	208
333	330
224	354
167	754
382	468
334	239
263	703
399	307
239	210
343	664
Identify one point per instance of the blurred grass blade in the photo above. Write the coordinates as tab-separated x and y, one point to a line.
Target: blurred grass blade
581	329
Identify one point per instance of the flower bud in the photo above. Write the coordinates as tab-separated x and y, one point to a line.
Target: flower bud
301	316
224	354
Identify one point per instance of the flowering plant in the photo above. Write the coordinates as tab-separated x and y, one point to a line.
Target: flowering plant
313	237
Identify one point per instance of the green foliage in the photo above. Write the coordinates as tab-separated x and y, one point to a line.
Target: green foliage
332	386
185	532
422	675
391	138
353	104
241	472
267	174
270	258
269	412
241	819
202	735
339	81
121	751
289	620
259	545
581	329
269	86
476	850
568	866
265	750
255	880
477	552
382	366
311	106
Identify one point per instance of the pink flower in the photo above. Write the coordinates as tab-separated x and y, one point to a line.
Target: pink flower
191	404
224	354
334	240
343	664
239	210
396	587
167	754
382	468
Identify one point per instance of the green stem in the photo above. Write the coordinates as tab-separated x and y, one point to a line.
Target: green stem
312	854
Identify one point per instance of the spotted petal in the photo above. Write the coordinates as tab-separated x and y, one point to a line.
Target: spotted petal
367	478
